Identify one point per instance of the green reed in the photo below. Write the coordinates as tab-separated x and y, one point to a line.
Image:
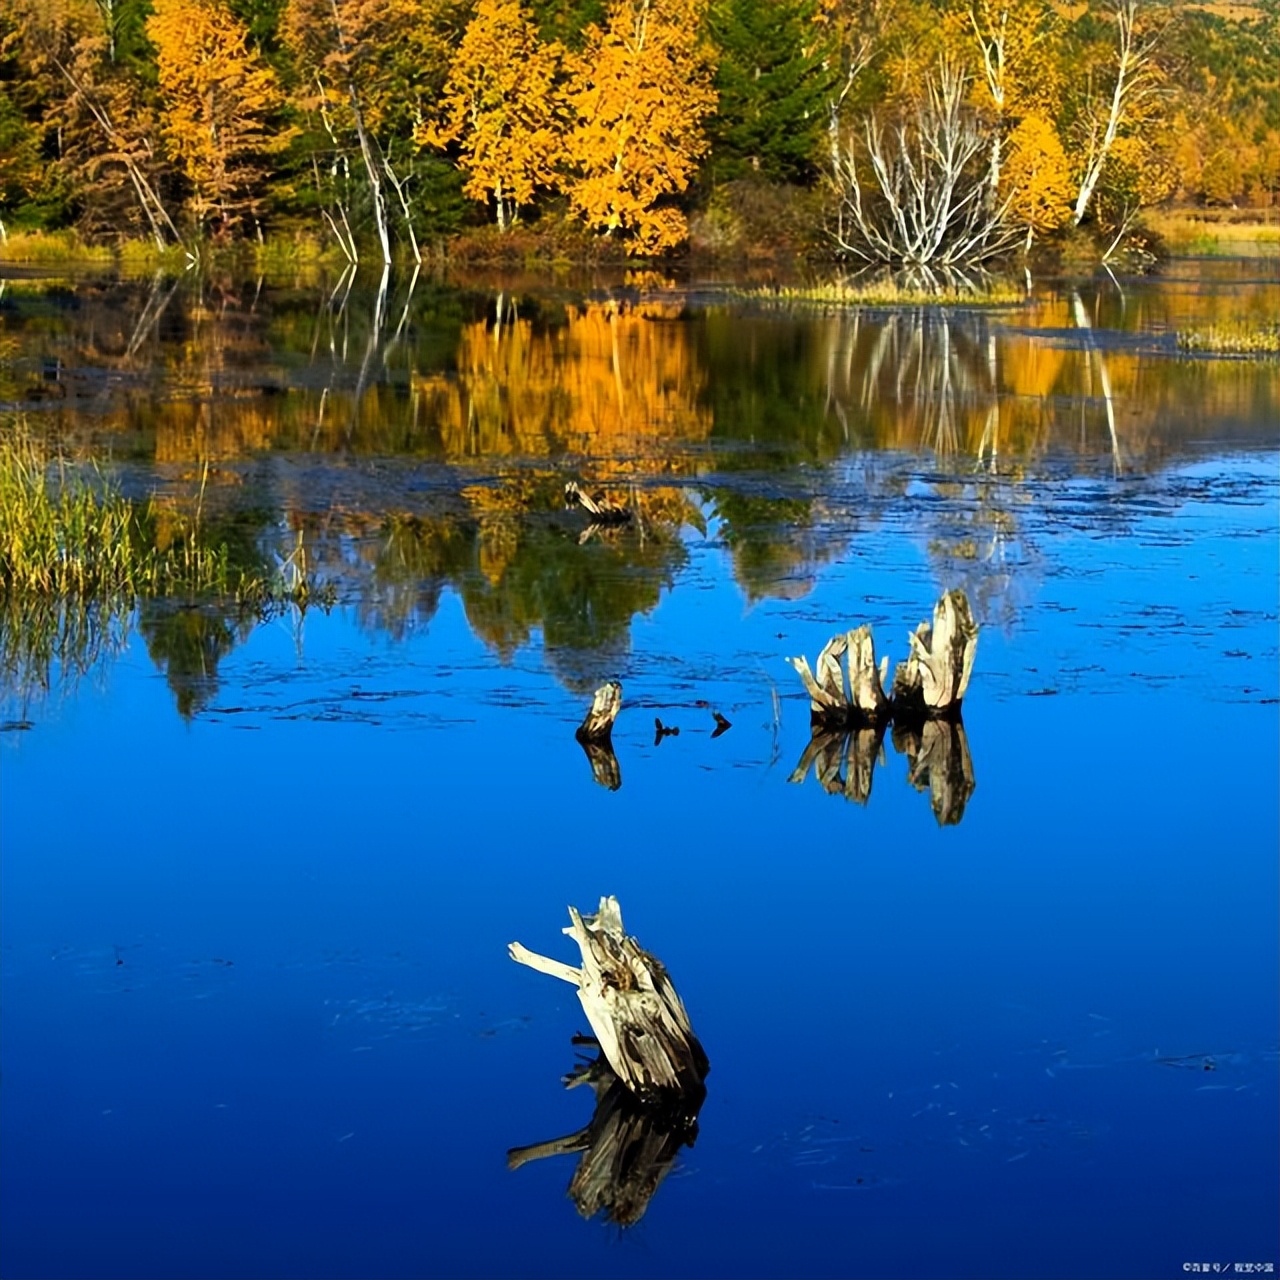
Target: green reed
76	557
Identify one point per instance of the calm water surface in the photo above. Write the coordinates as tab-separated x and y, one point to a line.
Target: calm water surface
259	876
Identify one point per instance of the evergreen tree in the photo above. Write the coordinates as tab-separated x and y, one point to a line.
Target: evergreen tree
774	82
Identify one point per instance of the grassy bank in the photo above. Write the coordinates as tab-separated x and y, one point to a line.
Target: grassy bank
1215	233
76	558
272	256
887	291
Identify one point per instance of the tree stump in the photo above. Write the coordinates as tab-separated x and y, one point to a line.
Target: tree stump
632	1007
931	682
595	733
933	679
833	706
848	720
606	702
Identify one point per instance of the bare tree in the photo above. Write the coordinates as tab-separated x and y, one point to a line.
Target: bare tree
1135	81
929	200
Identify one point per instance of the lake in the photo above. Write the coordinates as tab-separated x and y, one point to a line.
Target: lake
1008	1011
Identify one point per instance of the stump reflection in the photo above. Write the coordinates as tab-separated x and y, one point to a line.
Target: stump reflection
843	763
605	768
938	761
627	1148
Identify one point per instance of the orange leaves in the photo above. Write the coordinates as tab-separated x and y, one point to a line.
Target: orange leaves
638	95
1037	177
220	97
617	128
501	103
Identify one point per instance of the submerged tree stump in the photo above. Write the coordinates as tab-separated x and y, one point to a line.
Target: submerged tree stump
833	704
848	719
931	682
632	1006
933	679
606	702
627	1148
595	733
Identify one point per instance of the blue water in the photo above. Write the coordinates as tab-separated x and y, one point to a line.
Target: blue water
259	1019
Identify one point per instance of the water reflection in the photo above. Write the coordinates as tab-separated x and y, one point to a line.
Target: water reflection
938	761
421	437
187	642
627	1148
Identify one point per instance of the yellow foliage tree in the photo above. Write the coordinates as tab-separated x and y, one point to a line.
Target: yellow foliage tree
1036	179
219	96
500	104
637	96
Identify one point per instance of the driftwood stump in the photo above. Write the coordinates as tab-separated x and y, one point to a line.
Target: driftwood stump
849	716
931	682
835	705
633	1009
933	679
606	702
595	733
627	1149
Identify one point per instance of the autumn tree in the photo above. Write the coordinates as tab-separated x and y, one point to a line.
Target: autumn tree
1110	112
99	118
500	105
637	96
220	102
1018	50
1036	179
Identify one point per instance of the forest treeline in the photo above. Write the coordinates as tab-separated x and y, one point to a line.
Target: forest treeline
910	131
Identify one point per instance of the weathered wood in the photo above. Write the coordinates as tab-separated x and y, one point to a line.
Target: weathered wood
934	678
834	705
605	705
632	1006
938	761
603	510
628	1148
931	682
866	682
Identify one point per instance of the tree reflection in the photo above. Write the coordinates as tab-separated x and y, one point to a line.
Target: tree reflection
187	642
796	433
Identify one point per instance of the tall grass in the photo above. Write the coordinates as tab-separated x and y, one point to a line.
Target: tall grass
76	557
887	291
73	538
1235	338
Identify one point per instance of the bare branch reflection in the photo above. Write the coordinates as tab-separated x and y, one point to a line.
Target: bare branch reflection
627	1148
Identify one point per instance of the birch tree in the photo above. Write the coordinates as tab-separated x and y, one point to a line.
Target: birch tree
916	191
1135	81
